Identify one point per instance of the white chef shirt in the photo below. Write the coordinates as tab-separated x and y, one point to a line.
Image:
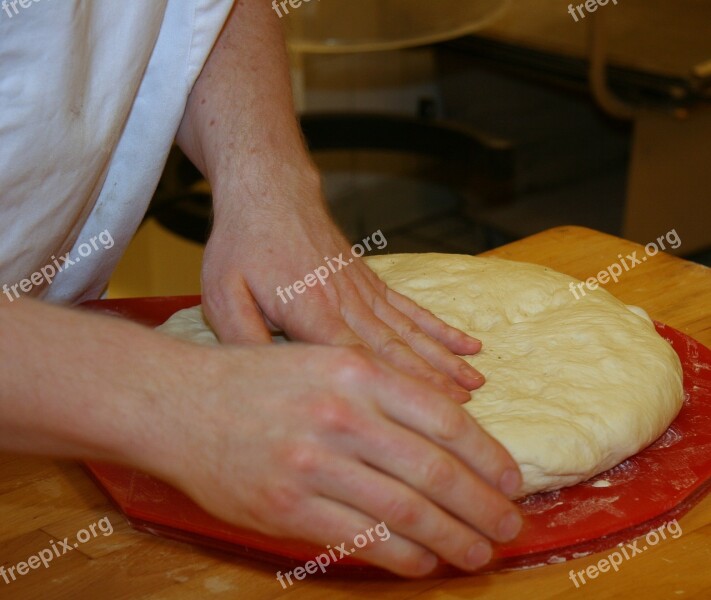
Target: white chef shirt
91	96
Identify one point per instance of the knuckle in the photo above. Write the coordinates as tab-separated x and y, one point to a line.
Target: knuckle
392	345
302	458
404	513
335	415
453	423
411	331
437	379
380	287
274	499
439	475
353	365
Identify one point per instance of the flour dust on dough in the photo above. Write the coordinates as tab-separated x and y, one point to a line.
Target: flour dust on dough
573	387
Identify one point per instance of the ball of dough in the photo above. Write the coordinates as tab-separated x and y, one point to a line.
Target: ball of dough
573	386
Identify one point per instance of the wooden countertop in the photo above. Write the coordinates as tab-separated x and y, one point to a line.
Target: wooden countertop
43	500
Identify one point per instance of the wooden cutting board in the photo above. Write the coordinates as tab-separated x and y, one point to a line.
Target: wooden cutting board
43	500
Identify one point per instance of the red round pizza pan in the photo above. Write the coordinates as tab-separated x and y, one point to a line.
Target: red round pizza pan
659	484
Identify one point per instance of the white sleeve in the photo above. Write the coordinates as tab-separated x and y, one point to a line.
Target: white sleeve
92	96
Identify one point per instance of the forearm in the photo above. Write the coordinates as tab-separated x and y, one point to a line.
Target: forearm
74	385
239	127
272	225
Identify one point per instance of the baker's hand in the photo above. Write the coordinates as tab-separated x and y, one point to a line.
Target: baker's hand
271	227
251	264
321	444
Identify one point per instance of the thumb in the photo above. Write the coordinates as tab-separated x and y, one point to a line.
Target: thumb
235	315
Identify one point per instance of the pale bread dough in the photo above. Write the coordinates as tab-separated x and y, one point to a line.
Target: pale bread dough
573	386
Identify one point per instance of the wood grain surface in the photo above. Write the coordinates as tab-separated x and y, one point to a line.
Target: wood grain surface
43	500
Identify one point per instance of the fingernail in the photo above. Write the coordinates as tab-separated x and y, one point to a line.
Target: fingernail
473	379
509	526
478	555
474	345
476	381
510	482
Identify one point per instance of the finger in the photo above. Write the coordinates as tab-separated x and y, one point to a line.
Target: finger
455	340
406	512
322	325
448	425
443	479
335	526
388	344
430	349
235	315
439	475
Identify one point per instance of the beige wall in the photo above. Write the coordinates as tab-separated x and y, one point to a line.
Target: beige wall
157	263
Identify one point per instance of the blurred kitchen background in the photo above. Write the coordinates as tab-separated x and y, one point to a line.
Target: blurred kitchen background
461	125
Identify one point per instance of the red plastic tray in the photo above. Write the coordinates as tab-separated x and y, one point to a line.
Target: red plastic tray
659	484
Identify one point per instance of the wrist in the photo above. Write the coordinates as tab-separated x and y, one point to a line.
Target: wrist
168	408
193	445
267	186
